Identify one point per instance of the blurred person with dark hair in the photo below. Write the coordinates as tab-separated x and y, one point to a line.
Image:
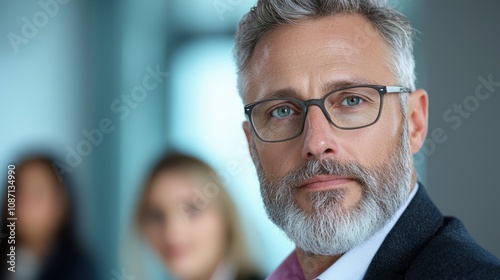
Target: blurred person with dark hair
46	243
188	218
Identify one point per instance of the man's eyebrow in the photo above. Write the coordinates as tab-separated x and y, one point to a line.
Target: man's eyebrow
282	93
328	87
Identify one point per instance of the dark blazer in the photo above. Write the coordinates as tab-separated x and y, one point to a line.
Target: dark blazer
68	261
425	245
248	276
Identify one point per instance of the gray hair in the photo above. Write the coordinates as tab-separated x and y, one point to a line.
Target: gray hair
393	26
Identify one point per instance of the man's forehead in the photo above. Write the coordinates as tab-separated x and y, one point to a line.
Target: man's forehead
331	49
341	34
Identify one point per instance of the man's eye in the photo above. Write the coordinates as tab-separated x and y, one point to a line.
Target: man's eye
352	101
282	112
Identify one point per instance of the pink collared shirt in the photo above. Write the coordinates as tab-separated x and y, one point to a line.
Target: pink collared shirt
288	269
358	258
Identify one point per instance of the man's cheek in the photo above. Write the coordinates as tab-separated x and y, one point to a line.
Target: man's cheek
279	161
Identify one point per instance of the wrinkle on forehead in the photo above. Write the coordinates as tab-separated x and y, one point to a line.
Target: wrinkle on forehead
340	48
303	55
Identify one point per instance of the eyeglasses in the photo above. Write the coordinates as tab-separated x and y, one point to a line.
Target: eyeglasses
282	119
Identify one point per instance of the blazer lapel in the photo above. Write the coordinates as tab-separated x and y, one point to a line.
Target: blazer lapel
416	226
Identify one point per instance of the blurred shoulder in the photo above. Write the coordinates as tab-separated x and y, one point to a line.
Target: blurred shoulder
69	261
249	276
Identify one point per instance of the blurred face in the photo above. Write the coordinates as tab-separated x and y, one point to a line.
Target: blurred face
329	189
184	228
41	203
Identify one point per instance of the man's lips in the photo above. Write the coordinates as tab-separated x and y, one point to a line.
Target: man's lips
325	182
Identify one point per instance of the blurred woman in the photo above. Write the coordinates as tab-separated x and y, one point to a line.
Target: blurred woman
45	242
189	220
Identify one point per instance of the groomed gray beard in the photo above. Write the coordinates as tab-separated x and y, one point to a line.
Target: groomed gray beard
329	227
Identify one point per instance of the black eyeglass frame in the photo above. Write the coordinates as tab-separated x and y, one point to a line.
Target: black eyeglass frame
382	90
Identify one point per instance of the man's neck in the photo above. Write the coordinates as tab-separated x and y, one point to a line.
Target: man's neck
314	265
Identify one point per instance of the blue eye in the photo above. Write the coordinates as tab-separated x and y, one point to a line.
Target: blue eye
282	112
352	101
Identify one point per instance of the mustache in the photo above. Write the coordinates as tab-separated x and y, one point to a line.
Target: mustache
295	178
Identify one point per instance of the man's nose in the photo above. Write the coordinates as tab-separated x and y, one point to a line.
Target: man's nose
319	138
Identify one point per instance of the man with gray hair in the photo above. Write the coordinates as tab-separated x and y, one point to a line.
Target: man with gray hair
334	119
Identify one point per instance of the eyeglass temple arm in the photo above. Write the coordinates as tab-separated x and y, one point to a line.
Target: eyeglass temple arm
397	89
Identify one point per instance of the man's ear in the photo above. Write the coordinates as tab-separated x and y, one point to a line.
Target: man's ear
246	128
418	118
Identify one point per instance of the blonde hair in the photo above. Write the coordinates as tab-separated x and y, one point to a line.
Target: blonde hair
236	248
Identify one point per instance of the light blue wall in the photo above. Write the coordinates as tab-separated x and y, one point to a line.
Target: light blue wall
40	80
